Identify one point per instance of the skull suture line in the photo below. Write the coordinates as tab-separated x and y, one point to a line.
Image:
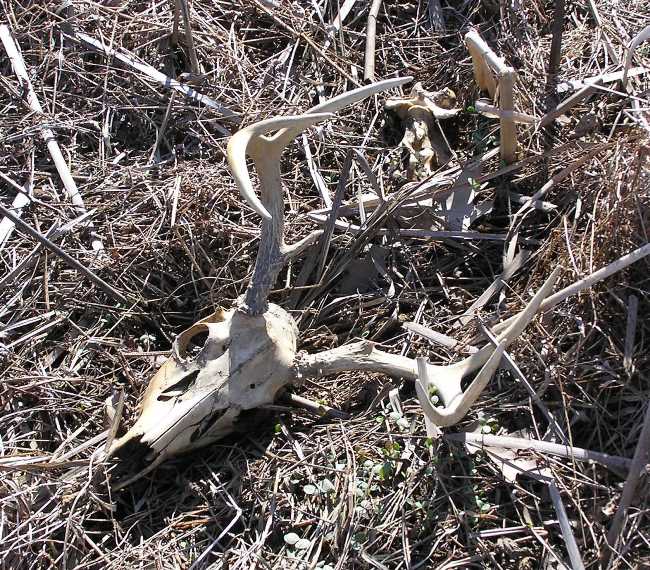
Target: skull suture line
249	352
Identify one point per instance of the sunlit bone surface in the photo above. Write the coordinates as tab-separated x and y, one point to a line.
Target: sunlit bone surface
240	359
422	138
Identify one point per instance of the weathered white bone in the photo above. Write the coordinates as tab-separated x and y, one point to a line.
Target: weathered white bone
446	380
266	152
241	359
418	112
195	399
246	355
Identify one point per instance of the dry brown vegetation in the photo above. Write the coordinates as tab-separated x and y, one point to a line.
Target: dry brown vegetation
370	491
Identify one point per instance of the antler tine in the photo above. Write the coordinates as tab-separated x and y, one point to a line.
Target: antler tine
243	143
341	101
265	152
455	410
447	379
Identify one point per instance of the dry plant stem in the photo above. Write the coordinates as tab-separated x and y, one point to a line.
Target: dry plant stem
585	283
556	44
568	104
578	453
630	332
130	60
641	37
371	37
488	110
18	64
575	84
176	17
508	128
318	409
64	256
185	10
6	225
486	62
565	526
640	461
434	336
481	55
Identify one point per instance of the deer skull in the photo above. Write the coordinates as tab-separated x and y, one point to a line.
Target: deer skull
239	362
240	359
246	355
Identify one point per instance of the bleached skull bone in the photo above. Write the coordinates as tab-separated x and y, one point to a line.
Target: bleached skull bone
195	399
246	355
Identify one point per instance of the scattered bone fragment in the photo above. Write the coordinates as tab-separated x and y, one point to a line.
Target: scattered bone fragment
494	76
422	138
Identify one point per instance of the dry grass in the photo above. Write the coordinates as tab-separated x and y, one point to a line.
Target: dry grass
390	498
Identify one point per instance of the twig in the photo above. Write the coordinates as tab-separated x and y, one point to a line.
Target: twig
605	78
565	527
161	130
639	461
185	11
18	64
587	282
630	331
63	255
556	45
129	59
641	37
371	36
486	109
568	103
20	201
317	408
508	128
176	16
577	453
326	237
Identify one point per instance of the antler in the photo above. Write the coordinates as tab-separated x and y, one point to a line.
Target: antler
266	152
446	380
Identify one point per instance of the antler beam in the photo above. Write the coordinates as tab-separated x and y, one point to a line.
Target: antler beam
266	151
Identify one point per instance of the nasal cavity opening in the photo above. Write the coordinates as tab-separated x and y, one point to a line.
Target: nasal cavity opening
192	342
179	387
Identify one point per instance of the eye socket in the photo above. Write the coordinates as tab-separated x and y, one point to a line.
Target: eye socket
196	343
193	341
252	386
